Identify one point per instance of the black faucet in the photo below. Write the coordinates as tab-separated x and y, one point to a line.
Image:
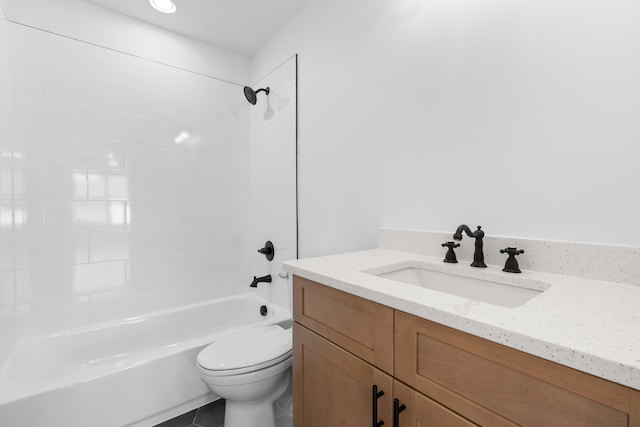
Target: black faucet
478	255
263	279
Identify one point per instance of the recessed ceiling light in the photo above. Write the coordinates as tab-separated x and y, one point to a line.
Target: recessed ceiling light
164	6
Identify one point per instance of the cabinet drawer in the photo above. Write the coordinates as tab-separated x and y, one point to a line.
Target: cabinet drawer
360	326
523	388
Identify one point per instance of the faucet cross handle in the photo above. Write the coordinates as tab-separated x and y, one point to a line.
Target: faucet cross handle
511	265
450	257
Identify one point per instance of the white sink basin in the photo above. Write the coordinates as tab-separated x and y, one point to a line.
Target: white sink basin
481	290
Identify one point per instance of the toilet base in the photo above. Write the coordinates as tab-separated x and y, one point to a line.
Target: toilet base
243	414
260	412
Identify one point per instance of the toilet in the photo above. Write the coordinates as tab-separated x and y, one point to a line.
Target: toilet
251	369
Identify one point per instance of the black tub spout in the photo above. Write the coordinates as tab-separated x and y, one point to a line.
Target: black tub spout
263	279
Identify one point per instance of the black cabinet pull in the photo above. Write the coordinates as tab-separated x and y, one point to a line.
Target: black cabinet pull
374	405
397	408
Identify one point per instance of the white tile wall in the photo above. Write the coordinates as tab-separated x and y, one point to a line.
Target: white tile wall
7	290
26	78
273	176
5	87
188	85
62	85
33	182
159	160
124	183
42	48
27	216
109	246
107	185
103	93
6	253
35	250
111	65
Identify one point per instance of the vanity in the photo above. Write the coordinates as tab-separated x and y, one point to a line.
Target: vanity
376	345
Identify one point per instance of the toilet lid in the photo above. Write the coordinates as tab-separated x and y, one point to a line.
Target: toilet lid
253	347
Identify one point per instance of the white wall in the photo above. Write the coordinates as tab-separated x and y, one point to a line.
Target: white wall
519	116
85	21
124	184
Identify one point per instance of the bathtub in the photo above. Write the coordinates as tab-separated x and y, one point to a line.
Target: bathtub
135	372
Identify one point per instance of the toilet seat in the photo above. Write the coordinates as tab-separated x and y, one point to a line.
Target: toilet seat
246	351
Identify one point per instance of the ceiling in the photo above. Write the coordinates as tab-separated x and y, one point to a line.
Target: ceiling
242	26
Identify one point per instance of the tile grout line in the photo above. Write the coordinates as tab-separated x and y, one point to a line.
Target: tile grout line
195	417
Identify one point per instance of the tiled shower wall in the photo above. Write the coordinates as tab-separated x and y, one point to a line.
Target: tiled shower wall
123	184
273	177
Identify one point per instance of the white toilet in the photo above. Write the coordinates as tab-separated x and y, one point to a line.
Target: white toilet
251	369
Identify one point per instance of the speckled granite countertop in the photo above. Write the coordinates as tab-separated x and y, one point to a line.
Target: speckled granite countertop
586	324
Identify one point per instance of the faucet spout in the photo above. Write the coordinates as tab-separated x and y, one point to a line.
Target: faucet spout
478	254
458	234
263	279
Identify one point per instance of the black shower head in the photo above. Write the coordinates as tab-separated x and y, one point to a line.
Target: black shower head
250	94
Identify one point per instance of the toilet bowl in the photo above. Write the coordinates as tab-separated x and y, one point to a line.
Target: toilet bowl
251	369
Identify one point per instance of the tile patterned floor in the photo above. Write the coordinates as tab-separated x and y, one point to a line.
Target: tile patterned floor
211	415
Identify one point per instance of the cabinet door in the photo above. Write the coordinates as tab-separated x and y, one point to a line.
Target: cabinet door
360	326
422	411
331	387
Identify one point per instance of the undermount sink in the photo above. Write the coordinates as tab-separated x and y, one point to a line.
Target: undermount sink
468	287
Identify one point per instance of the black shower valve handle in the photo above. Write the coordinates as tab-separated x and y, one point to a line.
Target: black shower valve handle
268	250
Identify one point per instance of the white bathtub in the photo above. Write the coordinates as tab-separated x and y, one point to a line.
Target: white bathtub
134	372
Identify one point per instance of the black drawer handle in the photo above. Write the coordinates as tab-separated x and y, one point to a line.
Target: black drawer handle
374	405
397	408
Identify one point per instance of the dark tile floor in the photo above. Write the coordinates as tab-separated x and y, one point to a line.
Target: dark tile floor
211	415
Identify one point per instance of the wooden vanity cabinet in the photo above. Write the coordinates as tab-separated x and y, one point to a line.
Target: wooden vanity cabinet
344	345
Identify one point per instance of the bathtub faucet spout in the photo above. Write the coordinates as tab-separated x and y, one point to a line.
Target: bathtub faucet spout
256	280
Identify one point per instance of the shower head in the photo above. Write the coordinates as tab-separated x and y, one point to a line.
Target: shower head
250	94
